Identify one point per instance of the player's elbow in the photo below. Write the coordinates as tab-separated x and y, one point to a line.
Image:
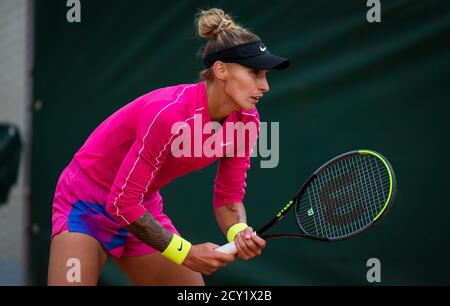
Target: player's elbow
112	209
124	211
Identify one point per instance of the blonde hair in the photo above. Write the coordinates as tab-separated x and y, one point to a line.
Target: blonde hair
222	33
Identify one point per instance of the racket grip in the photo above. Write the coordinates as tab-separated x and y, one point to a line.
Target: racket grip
229	248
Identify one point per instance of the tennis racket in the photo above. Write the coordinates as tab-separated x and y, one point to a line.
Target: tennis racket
343	198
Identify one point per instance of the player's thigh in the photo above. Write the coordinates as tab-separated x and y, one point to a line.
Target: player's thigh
155	269
70	252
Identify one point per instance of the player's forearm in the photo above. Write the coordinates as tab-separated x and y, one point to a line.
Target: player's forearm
229	215
147	229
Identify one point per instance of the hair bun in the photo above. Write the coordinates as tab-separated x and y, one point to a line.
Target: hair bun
213	21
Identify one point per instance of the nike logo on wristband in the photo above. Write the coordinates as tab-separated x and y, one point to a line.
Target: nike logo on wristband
181	246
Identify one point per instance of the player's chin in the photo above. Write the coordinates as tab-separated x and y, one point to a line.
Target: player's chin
249	105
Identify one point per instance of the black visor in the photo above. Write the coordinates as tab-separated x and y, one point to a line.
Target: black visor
253	55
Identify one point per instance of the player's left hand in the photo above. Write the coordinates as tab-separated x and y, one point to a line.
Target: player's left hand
249	244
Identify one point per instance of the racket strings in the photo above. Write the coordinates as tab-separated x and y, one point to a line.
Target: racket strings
345	197
363	187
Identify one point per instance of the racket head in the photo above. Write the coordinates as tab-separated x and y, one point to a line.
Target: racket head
346	196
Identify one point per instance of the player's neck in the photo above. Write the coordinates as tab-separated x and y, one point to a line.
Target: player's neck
219	104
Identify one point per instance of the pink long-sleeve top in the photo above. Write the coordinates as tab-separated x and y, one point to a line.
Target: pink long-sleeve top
162	135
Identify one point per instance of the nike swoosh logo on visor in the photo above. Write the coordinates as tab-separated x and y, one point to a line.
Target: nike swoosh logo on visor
262	49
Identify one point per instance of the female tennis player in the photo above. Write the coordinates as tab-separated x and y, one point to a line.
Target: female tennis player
107	200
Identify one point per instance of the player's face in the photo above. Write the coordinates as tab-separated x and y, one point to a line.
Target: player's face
245	86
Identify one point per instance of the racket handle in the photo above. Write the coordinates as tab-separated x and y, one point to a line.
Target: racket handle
229	248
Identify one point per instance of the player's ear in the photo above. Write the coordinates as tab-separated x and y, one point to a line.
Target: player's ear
220	70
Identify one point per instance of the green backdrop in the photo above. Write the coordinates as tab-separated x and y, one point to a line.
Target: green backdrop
352	84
